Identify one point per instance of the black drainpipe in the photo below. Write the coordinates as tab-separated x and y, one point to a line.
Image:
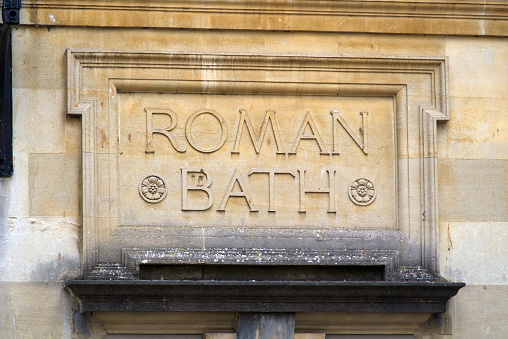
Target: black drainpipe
10	17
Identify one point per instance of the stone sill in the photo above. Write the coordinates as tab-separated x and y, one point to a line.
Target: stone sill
263	296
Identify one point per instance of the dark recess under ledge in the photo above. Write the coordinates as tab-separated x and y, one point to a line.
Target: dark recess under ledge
262	272
263	296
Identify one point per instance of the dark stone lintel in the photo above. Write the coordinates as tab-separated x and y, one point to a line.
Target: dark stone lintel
263	296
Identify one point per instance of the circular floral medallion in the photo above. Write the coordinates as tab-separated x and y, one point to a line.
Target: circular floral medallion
152	189
362	192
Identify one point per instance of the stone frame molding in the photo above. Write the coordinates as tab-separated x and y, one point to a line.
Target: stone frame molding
418	87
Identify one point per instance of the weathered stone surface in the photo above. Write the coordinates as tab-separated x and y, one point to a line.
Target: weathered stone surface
474	252
460	18
480	311
477	67
38	102
36	309
39	249
53	192
200	188
266	325
472	190
263	296
477	130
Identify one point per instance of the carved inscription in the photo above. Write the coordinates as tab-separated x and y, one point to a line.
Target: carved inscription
258	141
307	131
166	131
256	161
200	180
271	182
203	180
243	191
314	135
330	190
360	141
190	136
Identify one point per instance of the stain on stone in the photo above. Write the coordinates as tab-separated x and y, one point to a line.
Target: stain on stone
450	243
133	107
61	270
103	139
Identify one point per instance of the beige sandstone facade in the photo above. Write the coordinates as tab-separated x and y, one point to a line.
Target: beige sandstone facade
368	133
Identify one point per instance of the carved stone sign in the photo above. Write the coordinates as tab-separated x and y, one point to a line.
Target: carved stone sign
230	151
256	160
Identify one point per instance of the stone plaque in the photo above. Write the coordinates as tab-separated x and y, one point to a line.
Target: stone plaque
215	152
256	161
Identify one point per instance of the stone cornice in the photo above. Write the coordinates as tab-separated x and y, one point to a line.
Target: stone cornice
263	296
489	18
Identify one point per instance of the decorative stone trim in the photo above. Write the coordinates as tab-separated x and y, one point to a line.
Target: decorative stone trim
152	189
372	16
362	192
265	296
415	187
305	257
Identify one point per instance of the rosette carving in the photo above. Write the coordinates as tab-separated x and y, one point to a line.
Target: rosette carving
152	189
362	192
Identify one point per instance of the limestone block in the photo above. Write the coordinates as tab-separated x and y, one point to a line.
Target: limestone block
364	44
478	67
35	310
481	312
276	207
73	135
40	120
478	129
39	249
40	62
472	190
222	42
17	205
54	184
474	253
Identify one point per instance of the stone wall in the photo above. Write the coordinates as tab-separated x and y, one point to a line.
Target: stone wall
41	205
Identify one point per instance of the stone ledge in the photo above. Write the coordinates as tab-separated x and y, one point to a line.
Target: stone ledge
263	296
463	17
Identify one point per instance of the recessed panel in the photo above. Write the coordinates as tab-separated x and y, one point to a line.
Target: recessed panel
197	160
